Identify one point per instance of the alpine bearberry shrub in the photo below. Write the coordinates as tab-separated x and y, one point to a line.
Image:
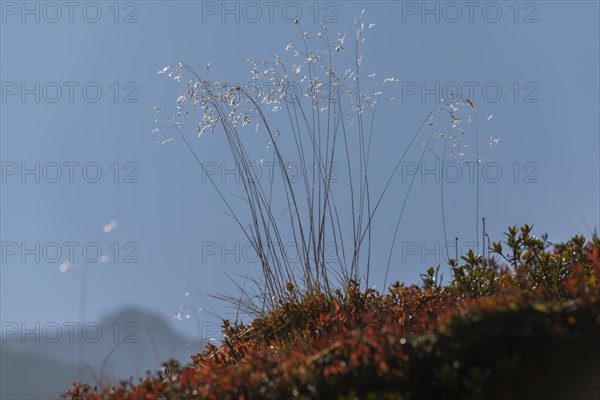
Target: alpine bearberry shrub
528	337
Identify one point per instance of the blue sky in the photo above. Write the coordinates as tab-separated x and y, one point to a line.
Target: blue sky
543	56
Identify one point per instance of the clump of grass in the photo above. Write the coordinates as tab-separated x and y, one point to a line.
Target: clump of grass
320	120
319	331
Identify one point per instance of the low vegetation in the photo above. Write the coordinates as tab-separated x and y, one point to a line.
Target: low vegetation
524	328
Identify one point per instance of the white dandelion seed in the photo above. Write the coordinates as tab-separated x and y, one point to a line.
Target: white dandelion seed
64	267
111	226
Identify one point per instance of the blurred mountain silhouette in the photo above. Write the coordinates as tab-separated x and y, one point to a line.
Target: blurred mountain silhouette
44	363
